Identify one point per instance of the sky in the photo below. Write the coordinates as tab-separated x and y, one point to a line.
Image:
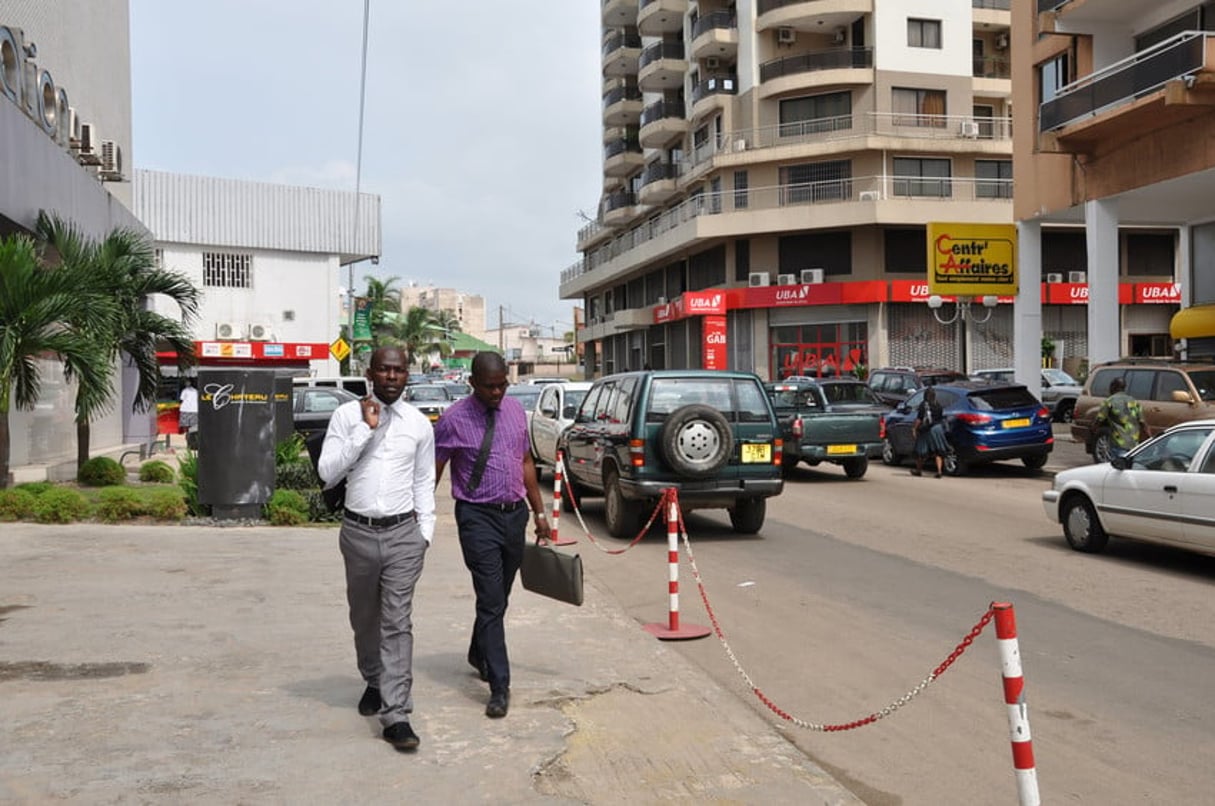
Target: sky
482	126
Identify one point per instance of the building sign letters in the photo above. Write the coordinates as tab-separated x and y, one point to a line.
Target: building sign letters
972	260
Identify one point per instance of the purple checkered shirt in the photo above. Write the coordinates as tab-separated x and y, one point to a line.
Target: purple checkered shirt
458	436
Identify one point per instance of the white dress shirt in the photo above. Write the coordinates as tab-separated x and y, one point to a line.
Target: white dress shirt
388	470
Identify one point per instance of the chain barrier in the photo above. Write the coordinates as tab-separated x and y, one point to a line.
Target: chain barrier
802	723
586	530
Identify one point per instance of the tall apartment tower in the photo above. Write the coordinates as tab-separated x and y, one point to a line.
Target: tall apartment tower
769	169
469	309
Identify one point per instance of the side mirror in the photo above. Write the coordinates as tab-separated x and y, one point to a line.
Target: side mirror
1182	396
549	411
1120	462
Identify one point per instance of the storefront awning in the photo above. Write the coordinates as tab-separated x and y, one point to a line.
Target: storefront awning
1197	322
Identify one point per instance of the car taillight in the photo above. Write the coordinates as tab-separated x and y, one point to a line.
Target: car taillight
881	428
798	428
778	448
637	452
1044	413
972	418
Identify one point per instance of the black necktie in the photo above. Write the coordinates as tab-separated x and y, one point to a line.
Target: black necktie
487	441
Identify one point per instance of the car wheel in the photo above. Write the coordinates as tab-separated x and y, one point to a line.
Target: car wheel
696	441
889	457
855	468
1065	411
1103	448
1034	462
747	515
954	466
1080	525
623	516
787	463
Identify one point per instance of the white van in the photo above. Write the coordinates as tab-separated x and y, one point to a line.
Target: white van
356	384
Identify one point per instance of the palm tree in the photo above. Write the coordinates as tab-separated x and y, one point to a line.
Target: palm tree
417	333
448	320
42	311
123	268
383	297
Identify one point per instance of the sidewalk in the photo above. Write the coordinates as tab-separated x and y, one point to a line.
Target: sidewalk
215	665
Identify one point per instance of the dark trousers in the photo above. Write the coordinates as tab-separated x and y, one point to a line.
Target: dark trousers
492	543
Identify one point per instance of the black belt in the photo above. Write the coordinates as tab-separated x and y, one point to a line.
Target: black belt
497	506
390	520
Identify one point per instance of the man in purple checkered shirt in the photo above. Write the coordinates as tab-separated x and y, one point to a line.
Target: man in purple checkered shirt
484	437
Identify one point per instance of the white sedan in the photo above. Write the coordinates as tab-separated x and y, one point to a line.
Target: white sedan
554	412
1162	492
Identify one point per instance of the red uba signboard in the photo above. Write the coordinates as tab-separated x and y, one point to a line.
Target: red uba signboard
713	349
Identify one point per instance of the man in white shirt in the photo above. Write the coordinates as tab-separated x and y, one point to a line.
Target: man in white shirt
385	448
187	415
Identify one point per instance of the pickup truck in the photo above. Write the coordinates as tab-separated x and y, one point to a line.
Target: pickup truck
837	420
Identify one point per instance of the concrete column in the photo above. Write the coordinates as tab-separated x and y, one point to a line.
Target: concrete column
1104	314
1184	274
1027	307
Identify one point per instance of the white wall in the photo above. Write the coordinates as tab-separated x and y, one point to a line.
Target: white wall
890	37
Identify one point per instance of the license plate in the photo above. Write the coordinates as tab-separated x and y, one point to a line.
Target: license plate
840	449
1022	423
755	453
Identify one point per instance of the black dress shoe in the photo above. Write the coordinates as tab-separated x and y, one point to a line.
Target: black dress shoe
369	705
401	736
498	705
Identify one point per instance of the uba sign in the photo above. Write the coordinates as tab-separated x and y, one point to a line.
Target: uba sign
972	260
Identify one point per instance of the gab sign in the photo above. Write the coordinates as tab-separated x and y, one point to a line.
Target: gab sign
972	260
713	353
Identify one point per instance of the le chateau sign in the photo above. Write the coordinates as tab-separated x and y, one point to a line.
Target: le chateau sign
32	88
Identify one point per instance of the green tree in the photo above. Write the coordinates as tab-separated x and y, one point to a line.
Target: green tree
418	333
43	311
122	267
383	297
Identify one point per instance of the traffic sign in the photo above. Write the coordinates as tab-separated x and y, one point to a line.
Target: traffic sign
339	349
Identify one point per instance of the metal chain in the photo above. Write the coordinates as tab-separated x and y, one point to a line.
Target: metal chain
586	530
816	726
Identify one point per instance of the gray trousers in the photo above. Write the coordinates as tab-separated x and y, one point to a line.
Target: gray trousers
382	570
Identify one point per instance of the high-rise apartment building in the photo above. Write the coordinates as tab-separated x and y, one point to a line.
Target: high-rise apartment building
469	309
769	169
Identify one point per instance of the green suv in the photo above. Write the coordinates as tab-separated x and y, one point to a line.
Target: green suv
712	435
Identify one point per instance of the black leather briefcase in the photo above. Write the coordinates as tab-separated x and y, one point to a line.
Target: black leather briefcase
552	573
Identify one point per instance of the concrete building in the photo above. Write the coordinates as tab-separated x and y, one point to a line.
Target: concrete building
1114	171
469	309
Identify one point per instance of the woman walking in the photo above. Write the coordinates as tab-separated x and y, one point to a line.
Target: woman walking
929	431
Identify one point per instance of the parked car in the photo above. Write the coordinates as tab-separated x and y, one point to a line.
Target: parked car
828	420
893	385
527	394
1163	491
1059	390
1170	392
555	410
710	434
432	399
984	422
313	406
457	390
355	384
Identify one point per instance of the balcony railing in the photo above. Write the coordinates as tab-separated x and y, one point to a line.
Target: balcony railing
835	191
992	67
717	19
618	200
998	5
1124	81
662	109
621	146
716	85
661	50
1051	5
618	94
658	171
620	39
835	59
771	5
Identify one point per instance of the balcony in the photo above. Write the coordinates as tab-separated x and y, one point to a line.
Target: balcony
622	157
715	35
997	5
658	17
810	15
658	182
661	67
617	208
619	13
1129	95
711	93
662	122
817	68
992	67
621	50
622	106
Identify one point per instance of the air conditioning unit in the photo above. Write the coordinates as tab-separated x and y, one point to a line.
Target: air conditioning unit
259	331
1002	42
969	128
812	276
73	129
870	195
1054	277
786	279
786	36
759	278
740	145
525	334
228	331
89	152
1077	277
662	300
111	162
840	37
712	63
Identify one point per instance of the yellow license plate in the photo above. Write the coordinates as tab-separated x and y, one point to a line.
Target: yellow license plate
1015	423
752	454
840	449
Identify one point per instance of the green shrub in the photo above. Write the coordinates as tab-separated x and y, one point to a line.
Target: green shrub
101	471
187	479
35	487
291	451
16	504
157	472
318	510
60	505
287	508
165	505
118	504
298	476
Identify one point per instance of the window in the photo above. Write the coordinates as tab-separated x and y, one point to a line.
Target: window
993	179
1150	253
906	250
922	176
1054	75
740	190
918	107
227	270
923	33
816	181
816	114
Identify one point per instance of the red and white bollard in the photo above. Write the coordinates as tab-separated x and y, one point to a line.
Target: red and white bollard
558	485
673	630
1014	699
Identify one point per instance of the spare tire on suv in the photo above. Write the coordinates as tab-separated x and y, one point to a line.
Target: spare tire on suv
696	440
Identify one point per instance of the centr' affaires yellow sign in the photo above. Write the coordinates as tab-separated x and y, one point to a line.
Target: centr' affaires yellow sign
972	260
